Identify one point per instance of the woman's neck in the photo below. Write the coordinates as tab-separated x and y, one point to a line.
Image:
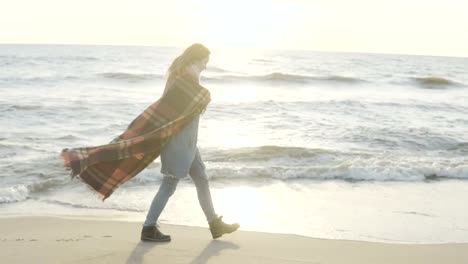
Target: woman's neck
191	76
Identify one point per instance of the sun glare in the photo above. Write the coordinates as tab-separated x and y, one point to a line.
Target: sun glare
244	23
244	204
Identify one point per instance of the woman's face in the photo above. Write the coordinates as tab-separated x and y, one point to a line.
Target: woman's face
197	67
202	63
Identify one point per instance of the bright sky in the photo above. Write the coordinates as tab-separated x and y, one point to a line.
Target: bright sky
432	27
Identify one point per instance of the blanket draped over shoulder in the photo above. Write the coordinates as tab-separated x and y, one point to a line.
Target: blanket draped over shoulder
104	168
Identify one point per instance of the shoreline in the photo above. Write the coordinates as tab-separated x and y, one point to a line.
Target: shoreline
69	240
321	210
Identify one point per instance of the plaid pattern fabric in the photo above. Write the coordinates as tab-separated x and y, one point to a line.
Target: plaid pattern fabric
104	168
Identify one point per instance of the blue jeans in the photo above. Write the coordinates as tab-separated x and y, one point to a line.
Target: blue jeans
168	187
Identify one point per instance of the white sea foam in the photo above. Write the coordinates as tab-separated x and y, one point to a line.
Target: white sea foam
13	194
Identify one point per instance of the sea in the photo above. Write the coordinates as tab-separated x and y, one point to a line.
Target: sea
335	145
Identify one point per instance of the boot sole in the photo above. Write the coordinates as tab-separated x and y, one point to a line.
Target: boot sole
155	240
221	234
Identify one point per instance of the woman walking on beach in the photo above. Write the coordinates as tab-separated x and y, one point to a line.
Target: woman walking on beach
169	128
181	156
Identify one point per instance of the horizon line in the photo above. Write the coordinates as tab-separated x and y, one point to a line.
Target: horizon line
241	48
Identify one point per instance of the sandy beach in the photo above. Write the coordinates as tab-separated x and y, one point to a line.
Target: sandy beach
68	240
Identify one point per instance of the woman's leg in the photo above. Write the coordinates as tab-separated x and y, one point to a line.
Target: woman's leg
217	226
167	188
200	179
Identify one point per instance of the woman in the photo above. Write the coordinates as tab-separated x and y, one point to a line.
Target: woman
169	128
180	156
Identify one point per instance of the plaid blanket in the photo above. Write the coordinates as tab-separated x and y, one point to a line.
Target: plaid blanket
104	168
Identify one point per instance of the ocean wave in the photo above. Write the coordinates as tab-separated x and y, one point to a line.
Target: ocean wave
460	148
17	147
44	186
263	60
23	107
79	58
343	79
104	206
345	171
435	82
38	79
22	192
13	194
68	138
18	60
284	77
216	69
264	153
130	76
286	163
57	58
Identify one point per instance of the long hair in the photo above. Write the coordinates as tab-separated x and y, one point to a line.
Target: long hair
194	53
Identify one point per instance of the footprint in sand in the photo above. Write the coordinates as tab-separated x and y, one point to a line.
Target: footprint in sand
106	236
66	240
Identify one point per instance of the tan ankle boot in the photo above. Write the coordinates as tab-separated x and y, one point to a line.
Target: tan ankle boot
219	228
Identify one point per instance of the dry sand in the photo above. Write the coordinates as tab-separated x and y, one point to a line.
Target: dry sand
66	240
